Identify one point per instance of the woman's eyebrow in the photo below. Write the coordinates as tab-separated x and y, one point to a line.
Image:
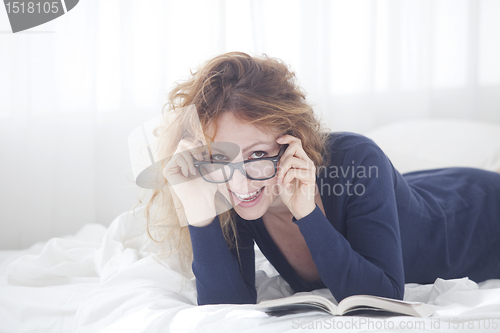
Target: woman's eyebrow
220	150
257	143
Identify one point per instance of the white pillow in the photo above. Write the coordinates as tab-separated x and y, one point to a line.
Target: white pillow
421	144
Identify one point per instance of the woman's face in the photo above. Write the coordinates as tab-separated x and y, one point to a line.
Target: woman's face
250	198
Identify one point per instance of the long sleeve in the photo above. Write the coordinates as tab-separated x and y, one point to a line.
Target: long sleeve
219	277
368	260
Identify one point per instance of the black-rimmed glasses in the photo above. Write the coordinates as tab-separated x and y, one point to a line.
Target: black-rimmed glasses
256	169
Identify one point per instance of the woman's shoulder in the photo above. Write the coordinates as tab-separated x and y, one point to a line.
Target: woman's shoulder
343	140
343	148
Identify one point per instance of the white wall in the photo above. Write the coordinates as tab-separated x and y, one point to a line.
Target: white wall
59	175
73	89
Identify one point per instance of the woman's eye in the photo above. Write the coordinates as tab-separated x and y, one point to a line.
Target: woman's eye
258	154
219	157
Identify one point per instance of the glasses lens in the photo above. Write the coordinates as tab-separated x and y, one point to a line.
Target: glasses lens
217	173
260	169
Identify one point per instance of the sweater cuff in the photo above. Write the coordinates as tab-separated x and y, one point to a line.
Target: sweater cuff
208	236
314	212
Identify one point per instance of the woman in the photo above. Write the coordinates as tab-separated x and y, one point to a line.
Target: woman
330	211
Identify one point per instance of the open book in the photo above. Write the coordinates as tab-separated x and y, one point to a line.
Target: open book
304	303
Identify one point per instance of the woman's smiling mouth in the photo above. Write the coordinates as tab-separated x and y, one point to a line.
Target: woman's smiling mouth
249	196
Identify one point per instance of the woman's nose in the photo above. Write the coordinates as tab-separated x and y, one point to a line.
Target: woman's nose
239	182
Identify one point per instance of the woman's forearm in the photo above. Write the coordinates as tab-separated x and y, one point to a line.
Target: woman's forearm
344	271
218	276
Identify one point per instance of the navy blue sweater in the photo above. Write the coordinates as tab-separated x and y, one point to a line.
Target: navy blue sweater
382	229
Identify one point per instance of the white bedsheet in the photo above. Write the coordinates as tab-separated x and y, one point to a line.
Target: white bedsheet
106	280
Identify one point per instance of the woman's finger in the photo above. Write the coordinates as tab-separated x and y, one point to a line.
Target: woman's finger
177	163
189	160
194	148
288	163
304	176
294	148
182	159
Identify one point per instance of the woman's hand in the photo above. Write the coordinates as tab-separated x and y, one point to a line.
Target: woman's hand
297	176
193	196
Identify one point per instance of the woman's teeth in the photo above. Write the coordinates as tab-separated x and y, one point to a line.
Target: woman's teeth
248	197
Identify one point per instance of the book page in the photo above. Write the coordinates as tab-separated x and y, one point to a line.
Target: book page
417	309
302	299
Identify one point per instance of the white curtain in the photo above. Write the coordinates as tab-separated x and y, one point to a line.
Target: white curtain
73	89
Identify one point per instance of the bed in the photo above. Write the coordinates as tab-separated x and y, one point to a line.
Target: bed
110	279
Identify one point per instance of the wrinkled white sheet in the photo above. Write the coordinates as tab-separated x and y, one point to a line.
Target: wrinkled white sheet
107	280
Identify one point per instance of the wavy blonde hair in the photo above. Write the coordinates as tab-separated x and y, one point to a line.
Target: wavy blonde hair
262	91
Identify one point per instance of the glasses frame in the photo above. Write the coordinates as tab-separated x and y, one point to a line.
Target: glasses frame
239	166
